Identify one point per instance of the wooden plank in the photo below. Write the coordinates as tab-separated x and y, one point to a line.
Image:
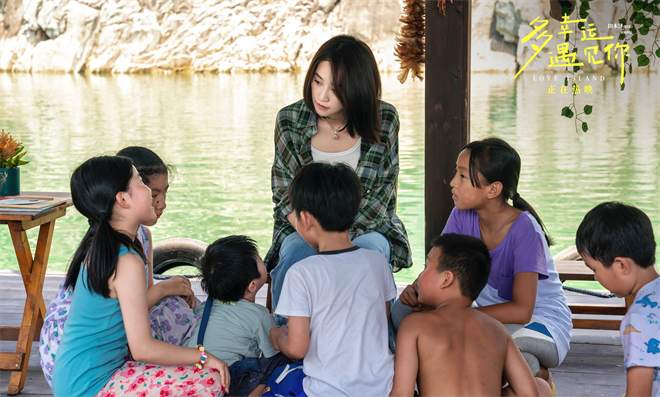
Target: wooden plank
447	106
11	333
48	216
583	323
25	260
34	306
23	253
604	309
573	270
11	361
32	216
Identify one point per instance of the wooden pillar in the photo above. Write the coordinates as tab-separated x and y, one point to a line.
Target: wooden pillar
447	109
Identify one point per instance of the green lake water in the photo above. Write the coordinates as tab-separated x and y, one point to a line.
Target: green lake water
217	131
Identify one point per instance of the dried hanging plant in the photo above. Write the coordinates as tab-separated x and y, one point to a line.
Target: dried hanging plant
409	49
442	5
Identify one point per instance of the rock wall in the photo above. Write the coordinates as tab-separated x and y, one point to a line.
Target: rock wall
138	36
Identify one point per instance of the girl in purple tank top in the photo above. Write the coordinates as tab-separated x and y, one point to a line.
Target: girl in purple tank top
171	302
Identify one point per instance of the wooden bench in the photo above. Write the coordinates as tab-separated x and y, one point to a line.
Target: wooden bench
578	271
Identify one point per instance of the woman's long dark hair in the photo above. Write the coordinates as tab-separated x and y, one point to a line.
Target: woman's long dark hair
94	186
147	163
497	161
356	82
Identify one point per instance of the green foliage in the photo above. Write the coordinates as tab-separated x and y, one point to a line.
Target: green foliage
14	161
640	16
11	151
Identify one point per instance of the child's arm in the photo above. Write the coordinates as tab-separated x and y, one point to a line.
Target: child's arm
293	340
175	286
517	372
639	381
521	307
406	360
128	286
409	295
150	263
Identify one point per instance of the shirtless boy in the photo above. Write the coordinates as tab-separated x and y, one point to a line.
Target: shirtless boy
455	350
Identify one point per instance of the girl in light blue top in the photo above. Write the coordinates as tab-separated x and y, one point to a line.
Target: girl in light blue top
108	320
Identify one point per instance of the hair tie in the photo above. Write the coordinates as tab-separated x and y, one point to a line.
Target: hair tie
515	197
103	215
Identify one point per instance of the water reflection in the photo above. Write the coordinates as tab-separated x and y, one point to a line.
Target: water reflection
217	130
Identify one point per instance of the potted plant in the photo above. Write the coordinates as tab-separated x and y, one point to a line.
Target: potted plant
11	153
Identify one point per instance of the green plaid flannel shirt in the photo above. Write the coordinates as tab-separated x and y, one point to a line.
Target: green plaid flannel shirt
378	169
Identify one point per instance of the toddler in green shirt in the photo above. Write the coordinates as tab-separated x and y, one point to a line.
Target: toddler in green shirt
234	328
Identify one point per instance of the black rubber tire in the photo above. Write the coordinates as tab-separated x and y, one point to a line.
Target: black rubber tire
175	252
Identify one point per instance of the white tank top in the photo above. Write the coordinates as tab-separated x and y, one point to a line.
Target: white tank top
349	157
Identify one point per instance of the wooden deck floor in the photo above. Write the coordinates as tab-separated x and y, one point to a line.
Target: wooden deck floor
593	366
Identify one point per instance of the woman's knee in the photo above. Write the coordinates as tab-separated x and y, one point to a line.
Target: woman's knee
294	248
376	242
398	313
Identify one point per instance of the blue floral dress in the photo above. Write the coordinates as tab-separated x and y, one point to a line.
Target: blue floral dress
172	320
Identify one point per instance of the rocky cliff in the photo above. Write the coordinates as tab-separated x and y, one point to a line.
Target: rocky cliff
137	36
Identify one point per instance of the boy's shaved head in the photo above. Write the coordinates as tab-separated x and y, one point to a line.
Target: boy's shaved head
468	258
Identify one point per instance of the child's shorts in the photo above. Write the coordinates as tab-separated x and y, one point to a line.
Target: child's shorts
249	373
286	381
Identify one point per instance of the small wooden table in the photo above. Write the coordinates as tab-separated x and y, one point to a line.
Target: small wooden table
33	272
577	270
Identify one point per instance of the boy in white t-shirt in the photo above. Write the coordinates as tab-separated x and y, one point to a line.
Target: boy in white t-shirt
616	242
336	301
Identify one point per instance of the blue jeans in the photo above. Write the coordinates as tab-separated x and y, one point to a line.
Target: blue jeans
295	249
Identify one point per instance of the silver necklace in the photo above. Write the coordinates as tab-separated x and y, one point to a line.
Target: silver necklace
336	129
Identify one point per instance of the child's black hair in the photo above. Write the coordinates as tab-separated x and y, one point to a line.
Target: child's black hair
94	186
614	229
147	163
497	161
331	193
228	267
468	258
